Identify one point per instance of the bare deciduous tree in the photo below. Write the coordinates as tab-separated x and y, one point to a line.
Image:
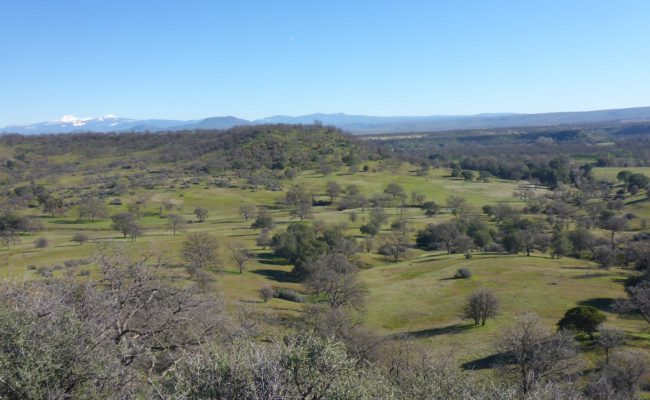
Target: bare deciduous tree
199	250
92	207
123	222
266	293
80	238
239	254
99	337
201	213
175	223
302	210
333	189
165	207
481	305
247	211
609	339
394	246
620	378
534	353
638	301
336	278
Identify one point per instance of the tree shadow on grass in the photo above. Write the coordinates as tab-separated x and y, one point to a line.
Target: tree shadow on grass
636	201
491	361
589	276
243	235
73	222
276	275
270	259
581	267
601	303
444	330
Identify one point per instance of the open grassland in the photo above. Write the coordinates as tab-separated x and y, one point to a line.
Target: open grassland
420	299
416	298
609	173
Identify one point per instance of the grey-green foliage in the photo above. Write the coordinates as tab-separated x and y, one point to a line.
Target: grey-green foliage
46	351
301	367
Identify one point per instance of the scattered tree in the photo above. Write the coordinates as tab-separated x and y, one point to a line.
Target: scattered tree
396	191
264	239
394	246
303	209
201	213
333	276
92	207
430	208
80	238
620	378
417	198
263	220
199	250
560	243
267	293
534	354
123	222
333	189
582	319
247	211
239	254
480	305
614	225
53	206
609	339
41	243
175	223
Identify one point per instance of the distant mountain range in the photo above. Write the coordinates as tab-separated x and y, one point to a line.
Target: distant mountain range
352	123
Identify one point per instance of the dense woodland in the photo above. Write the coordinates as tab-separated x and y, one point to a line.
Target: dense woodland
126	256
549	155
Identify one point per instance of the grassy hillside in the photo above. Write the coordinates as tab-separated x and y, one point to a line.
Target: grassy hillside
416	300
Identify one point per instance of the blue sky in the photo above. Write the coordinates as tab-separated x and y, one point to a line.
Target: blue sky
194	59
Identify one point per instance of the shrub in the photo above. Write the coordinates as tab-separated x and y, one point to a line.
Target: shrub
41	243
582	319
463	273
266	293
290	295
263	220
369	229
71	263
397	225
80	238
494	248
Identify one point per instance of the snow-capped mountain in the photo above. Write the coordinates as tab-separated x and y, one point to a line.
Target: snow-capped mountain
350	123
107	123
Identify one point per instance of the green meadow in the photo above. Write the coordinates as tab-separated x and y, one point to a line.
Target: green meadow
416	298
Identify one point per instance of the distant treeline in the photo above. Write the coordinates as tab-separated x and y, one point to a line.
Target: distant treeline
550	155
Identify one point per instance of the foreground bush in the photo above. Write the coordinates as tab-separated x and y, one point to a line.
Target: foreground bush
300	367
